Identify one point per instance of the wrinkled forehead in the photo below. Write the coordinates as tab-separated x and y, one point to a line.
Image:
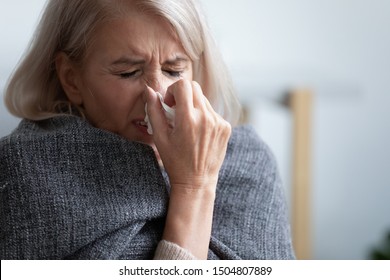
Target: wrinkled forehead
133	13
180	18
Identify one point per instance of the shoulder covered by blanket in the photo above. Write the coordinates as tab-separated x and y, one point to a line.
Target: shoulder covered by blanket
71	191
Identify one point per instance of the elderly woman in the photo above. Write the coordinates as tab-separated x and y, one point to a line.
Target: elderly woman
83	177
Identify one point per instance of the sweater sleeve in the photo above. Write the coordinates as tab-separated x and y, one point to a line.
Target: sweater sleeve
170	251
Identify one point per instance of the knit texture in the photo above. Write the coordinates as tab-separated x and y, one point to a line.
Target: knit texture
72	191
170	251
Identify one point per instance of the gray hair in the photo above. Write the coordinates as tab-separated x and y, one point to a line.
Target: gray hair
35	92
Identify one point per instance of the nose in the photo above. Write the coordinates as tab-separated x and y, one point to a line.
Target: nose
156	82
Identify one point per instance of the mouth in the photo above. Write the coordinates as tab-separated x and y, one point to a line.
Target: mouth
141	123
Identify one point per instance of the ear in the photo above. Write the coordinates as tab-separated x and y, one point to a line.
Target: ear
69	78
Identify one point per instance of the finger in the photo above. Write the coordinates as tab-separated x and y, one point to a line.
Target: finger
180	93
198	96
208	104
200	99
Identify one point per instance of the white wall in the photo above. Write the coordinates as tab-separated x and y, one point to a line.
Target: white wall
340	48
17	22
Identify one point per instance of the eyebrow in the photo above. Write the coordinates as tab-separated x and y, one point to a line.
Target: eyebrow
177	59
128	61
137	61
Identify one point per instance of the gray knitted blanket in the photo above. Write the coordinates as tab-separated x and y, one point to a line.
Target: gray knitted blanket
72	191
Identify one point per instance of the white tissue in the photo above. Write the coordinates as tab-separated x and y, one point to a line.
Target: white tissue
168	111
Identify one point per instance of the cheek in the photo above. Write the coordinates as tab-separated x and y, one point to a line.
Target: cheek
110	101
99	98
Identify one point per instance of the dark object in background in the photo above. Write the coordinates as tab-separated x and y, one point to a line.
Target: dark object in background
382	252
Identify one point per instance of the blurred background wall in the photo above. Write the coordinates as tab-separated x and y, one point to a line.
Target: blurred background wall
339	49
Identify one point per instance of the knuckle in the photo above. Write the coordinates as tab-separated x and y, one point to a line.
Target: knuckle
183	84
226	128
196	86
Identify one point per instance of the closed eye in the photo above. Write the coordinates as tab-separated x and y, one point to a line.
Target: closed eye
175	74
129	74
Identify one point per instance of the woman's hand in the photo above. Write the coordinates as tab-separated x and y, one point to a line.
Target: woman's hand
192	152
